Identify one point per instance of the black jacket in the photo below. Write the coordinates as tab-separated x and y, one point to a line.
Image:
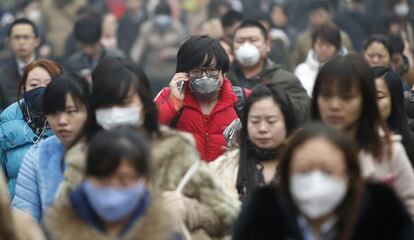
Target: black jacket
266	216
9	82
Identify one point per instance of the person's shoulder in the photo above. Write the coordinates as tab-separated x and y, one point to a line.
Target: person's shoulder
12	112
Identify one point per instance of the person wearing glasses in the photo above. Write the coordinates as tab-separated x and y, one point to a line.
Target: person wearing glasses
22	40
200	99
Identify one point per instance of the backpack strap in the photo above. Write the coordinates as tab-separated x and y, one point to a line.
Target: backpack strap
241	97
174	122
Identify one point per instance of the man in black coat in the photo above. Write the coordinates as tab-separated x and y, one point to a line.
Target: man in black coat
22	39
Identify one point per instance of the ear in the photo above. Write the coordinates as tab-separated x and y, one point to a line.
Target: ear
37	42
268	44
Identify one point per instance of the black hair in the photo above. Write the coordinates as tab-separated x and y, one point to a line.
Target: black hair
201	51
88	29
254	23
112	80
54	99
347	213
348	73
246	177
380	39
230	18
23	21
319	4
107	150
328	32
397	121
397	44
162	8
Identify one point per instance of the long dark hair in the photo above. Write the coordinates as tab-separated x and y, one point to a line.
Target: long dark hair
246	178
397	121
346	73
348	209
112	80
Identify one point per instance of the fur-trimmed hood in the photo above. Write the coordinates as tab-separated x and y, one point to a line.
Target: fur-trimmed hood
159	223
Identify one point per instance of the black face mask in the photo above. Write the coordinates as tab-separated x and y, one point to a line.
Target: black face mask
34	99
32	108
263	155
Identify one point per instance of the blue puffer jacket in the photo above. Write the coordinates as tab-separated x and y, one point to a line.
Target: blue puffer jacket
16	137
39	177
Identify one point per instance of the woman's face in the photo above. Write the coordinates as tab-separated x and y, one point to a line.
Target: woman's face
125	176
266	124
341	110
324	50
68	124
37	77
377	55
383	98
307	158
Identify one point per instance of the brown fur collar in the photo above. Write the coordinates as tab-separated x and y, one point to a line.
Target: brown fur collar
158	223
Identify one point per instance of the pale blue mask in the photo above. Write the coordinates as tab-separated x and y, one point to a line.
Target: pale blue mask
114	204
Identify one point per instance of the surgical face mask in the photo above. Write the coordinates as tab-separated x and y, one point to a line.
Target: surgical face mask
162	20
317	194
205	88
109	118
402	9
114	204
247	54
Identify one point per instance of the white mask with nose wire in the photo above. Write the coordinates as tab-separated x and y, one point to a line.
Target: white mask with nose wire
109	118
247	54
316	193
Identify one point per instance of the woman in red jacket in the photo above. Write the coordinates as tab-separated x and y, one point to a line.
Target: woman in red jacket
200	100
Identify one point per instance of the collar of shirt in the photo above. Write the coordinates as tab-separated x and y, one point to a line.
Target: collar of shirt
21	65
327	230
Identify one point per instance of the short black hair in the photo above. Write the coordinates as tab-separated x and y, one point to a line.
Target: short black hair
319	4
107	150
397	44
56	92
379	38
328	32
162	8
254	23
201	51
230	18
23	21
88	29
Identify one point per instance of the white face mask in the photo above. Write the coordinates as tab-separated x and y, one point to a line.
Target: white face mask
402	9
316	193
109	118
247	54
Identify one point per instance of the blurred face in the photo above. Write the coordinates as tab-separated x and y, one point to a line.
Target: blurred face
377	55
383	98
278	17
134	5
125	176
92	50
397	60
307	158
254	36
341	110
318	17
228	49
68	124
23	41
266	124
37	77
324	50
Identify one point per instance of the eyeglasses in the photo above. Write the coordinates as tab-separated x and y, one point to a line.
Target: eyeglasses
22	37
196	73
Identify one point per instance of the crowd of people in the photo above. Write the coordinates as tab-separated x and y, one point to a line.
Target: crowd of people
207	119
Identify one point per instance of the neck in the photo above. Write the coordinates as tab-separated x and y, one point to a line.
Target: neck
114	229
250	72
27	60
352	133
269	170
316	225
208	105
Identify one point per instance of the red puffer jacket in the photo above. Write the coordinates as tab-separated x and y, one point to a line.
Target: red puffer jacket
206	129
